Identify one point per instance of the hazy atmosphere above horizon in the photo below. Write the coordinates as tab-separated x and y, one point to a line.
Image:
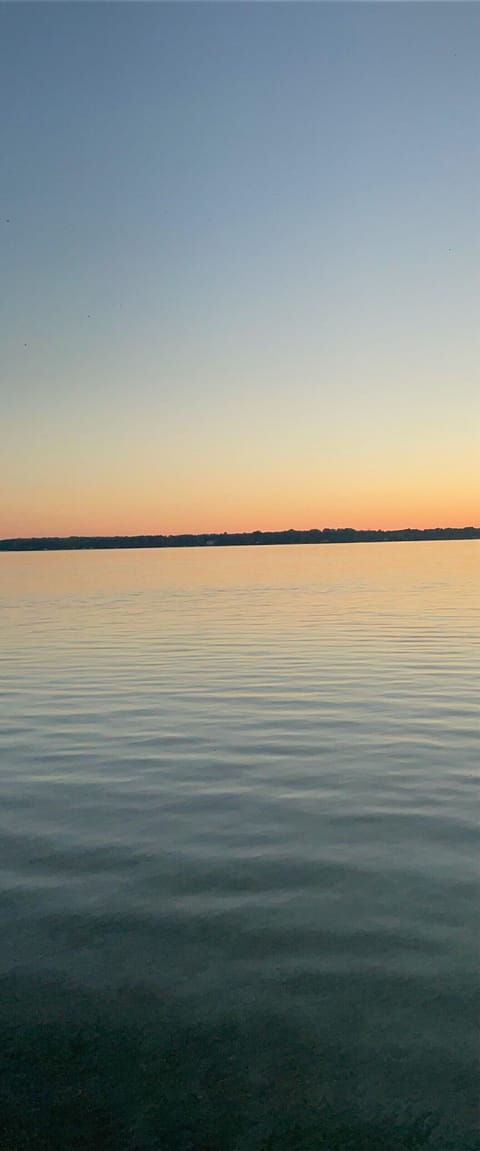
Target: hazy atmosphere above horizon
239	250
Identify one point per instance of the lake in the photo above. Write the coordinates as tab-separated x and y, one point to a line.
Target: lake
239	848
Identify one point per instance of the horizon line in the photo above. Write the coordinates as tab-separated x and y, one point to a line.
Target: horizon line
233	538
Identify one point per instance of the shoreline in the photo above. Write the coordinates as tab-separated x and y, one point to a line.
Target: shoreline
236	539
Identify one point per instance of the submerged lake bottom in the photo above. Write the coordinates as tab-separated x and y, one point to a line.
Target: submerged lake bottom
238	849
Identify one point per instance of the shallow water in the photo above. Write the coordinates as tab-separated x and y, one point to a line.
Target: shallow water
239	860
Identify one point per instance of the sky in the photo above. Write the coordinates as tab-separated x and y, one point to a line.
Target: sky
239	267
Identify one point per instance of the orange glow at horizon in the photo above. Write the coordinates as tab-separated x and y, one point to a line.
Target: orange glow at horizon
114	516
217	495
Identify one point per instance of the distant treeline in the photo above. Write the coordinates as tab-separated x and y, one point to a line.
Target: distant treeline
237	539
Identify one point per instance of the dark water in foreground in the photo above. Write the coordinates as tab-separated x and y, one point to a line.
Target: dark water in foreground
238	835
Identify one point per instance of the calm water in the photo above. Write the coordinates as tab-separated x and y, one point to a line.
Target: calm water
238	829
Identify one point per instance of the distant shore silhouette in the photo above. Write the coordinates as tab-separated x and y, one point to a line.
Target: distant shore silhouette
237	539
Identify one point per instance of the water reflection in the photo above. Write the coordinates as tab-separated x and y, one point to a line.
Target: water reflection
238	832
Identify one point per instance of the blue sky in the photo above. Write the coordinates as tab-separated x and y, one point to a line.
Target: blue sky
243	256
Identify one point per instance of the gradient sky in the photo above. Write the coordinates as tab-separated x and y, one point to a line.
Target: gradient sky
240	281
